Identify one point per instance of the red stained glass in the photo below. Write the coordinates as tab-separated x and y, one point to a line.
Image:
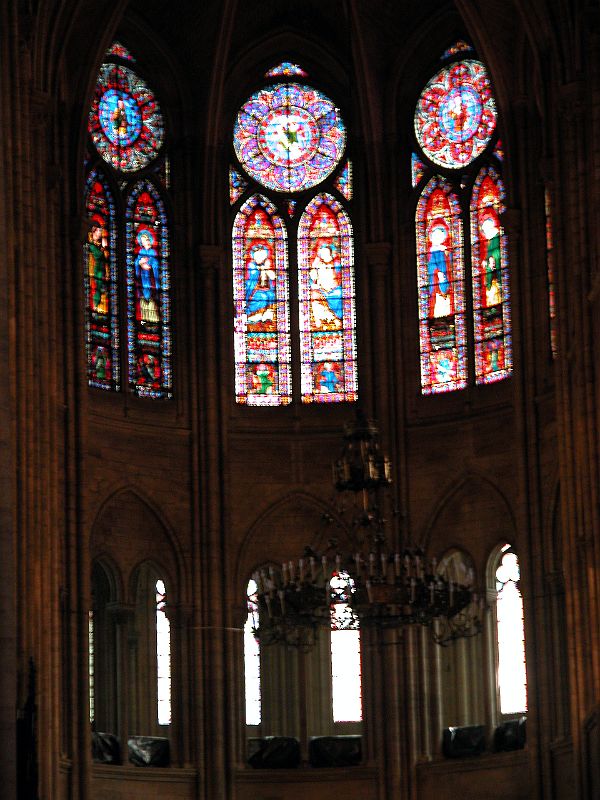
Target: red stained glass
456	114
100	278
417	169
491	291
148	296
326	296
119	51
261	305
440	266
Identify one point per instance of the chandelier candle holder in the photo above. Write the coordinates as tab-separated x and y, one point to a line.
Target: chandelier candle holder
374	586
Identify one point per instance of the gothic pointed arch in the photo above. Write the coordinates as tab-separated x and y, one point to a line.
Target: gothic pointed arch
127	261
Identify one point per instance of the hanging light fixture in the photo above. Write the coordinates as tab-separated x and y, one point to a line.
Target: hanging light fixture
375	585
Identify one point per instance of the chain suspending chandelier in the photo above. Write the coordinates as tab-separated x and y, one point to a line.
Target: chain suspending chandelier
373	586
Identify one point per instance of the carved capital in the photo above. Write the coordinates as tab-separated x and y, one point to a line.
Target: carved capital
178	614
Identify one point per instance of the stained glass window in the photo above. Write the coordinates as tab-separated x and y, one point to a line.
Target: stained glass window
286	69
512	678
289	137
125	121
491	296
291	206
456	114
100	277
163	656
499	151
237	185
326	295
417	169
458	47
148	300
261	299
441	289
117	49
343	182
550	272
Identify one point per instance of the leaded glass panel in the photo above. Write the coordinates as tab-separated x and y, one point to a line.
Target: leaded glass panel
148	295
261	300
100	280
327	304
440	269
490	280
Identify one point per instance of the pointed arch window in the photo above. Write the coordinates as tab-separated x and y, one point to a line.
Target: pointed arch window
289	138
126	253
510	633
464	325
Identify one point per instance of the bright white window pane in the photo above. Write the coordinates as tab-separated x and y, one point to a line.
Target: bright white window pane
252	660
345	676
163	656
512	678
345	658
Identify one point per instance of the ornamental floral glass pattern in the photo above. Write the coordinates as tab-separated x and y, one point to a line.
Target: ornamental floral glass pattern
441	289
289	137
491	295
117	49
148	302
456	114
125	121
417	170
286	69
261	300
237	185
100	279
326	296
343	182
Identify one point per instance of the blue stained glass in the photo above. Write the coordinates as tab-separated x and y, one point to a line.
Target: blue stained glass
148	293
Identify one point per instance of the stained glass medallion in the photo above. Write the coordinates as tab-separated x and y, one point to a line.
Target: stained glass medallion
290	207
261	305
125	121
456	114
491	296
499	151
289	137
343	182
286	69
148	301
237	185
327	303
117	49
100	281
441	289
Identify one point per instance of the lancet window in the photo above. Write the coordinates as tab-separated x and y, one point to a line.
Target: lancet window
462	257
291	246
126	249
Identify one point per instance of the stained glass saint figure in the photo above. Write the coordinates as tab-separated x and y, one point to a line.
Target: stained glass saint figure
491	308
441	294
261	302
326	293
